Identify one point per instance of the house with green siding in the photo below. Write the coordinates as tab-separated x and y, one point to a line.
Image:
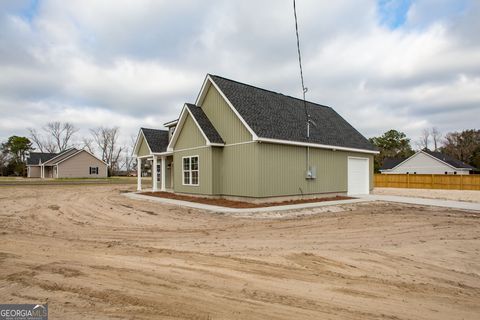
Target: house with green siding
241	141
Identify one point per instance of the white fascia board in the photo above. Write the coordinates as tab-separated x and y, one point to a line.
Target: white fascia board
58	155
203	91
135	148
95	156
174	138
315	145
166	153
421	151
73	154
454	168
79	151
207	141
170	123
413	155
201	96
180	124
137	144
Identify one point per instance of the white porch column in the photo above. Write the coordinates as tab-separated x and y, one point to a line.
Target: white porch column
42	172
154	174
139	174
164	173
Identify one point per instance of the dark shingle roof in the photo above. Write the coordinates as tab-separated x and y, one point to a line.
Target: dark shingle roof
157	139
204	123
450	160
390	163
276	116
61	156
36	158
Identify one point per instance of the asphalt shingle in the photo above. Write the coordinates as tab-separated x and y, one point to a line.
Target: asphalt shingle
36	158
157	139
277	116
204	123
450	160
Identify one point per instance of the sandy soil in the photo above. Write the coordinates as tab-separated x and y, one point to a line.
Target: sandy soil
457	195
94	254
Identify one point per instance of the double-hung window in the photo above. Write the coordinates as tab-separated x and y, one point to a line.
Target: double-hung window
93	170
190	170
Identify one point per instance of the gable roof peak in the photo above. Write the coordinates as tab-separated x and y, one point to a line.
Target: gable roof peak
266	90
278	118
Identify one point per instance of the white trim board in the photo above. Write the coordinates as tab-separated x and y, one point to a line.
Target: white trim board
179	128
135	149
190	171
425	153
201	96
58	155
203	92
315	145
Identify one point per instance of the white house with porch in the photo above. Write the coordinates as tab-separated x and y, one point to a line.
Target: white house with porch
151	148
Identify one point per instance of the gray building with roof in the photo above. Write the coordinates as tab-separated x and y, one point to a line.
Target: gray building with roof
238	140
426	162
70	163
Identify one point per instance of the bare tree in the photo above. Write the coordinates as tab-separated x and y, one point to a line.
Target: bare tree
129	162
424	139
61	133
88	143
37	139
57	136
106	140
436	138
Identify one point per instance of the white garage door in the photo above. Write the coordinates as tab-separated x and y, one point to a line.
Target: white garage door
358	177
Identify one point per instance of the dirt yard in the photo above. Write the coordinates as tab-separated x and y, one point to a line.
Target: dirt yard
456	195
91	253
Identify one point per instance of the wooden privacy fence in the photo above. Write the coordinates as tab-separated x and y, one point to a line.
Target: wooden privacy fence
428	181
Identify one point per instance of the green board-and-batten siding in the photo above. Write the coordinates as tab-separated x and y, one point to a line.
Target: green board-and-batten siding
253	169
143	149
225	121
205	171
191	138
281	170
189	135
267	170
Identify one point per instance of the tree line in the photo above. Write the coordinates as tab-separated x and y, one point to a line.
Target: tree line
463	145
55	137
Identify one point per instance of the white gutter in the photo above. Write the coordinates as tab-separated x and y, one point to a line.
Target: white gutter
315	145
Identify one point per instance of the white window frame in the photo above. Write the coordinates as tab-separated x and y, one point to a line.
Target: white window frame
190	170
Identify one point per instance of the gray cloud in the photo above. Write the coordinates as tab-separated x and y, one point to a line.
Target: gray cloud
132	63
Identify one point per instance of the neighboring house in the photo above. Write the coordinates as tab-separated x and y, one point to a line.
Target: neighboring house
71	163
425	162
238	140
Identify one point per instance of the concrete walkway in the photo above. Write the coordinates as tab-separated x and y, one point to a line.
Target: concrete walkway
424	202
208	207
359	198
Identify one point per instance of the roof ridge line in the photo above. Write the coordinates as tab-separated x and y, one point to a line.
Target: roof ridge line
271	91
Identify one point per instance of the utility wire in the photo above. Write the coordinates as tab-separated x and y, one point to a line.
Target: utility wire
304	90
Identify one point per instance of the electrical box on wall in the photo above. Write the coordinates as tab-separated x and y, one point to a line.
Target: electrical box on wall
311	173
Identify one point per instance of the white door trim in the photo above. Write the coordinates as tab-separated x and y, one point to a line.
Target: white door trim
367	175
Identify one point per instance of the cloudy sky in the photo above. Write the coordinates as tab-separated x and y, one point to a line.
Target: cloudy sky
381	64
